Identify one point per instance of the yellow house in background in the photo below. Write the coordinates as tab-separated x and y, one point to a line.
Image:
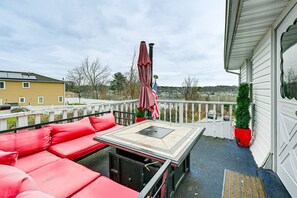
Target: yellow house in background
23	89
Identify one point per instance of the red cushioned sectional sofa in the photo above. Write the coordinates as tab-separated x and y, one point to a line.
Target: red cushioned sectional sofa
38	163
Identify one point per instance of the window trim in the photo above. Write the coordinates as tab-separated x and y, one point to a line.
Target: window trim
20	100
4	85
61	100
24	86
42	99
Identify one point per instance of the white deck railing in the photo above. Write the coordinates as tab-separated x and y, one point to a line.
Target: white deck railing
190	112
196	113
8	121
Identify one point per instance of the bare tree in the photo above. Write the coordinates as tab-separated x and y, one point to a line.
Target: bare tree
191	89
76	76
133	84
96	75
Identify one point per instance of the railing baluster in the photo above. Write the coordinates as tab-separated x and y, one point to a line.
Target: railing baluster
193	112
3	123
37	118
186	112
75	112
176	112
181	112
170	107
214	120
230	122
64	114
165	106
51	116
85	111
93	109
199	112
222	120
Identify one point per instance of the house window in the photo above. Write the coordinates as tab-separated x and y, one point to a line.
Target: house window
289	63
2	85
22	100
60	99
26	85
40	100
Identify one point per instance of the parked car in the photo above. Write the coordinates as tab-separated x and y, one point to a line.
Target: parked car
226	118
212	114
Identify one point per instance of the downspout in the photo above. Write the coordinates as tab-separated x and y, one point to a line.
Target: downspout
239	76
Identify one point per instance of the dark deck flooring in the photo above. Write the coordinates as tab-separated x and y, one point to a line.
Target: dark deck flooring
209	158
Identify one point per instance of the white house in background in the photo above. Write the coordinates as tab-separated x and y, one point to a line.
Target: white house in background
261	47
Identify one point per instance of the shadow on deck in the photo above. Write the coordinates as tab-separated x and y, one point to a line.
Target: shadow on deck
209	158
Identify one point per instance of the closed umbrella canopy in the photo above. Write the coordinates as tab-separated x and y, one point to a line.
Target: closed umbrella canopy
146	99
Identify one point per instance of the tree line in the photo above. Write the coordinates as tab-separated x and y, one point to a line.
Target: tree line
91	79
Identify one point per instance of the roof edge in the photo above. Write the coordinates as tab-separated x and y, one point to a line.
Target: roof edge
232	15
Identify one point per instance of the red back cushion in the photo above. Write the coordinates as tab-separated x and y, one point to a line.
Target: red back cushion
8	158
26	142
64	132
103	122
14	181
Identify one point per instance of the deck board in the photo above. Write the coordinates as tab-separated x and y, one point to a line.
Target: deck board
239	185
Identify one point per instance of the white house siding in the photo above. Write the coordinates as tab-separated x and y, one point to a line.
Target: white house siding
243	73
262	100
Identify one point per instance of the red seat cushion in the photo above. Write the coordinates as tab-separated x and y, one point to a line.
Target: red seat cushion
63	177
31	162
68	131
26	142
104	187
33	194
103	122
14	181
8	158
76	148
110	129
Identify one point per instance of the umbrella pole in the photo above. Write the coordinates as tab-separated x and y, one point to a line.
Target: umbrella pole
151	45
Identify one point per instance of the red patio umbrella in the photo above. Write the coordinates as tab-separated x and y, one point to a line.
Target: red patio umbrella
146	99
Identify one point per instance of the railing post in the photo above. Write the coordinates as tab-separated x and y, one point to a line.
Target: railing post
181	112
22	120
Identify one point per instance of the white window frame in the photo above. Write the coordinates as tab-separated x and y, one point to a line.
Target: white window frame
24	84
39	101
4	85
22	98
59	99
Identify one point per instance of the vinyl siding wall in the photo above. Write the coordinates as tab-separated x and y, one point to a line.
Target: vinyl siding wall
243	73
261	75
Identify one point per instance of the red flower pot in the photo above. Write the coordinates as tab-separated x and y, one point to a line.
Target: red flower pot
139	119
242	137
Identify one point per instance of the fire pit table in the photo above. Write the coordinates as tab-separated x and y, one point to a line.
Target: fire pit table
148	142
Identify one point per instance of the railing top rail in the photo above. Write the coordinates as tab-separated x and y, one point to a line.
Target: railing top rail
63	108
197	102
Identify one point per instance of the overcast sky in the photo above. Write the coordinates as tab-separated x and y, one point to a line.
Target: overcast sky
52	37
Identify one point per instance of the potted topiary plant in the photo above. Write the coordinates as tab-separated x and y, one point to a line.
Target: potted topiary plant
140	115
242	132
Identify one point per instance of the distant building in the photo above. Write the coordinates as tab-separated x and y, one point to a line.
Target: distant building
23	89
71	94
